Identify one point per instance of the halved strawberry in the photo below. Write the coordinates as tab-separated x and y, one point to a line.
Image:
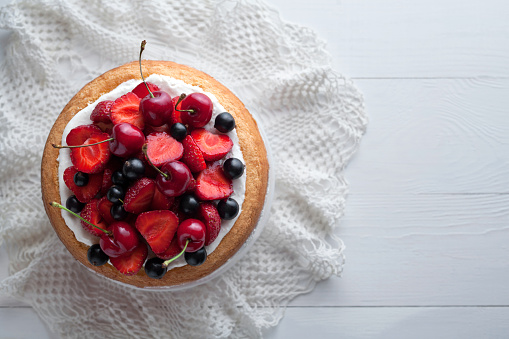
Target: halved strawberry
127	109
92	159
175	115
83	193
172	251
162	148
101	112
210	217
78	135
139	196
104	207
106	182
213	184
192	185
141	89
193	157
158	228
213	146
161	201
91	213
131	262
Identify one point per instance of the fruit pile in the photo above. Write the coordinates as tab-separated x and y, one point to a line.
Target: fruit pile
149	180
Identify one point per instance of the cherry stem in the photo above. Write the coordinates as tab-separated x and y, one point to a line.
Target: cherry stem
144	150
55	204
182	97
167	262
143	43
95	143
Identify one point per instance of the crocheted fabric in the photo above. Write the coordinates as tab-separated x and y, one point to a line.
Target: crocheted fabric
313	118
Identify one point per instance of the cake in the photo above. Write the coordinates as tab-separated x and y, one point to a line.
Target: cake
248	145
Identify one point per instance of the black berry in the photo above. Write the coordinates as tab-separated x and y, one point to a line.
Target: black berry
228	208
118	178
224	122
80	179
178	131
118	212
96	256
115	194
73	204
189	204
133	168
154	268
196	258
233	168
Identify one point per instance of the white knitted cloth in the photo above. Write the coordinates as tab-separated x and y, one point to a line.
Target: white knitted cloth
313	118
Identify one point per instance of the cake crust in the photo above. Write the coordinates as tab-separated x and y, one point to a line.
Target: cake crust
251	144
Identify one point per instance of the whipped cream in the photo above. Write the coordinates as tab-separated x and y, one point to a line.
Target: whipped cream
173	87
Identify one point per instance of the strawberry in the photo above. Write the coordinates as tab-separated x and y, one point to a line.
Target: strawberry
193	157
175	116
172	251
104	207
161	201
158	228
83	193
213	184
91	213
162	148
127	109
106	182
92	159
131	262
78	135
141	89
212	220
213	146
192	185
139	196
101	112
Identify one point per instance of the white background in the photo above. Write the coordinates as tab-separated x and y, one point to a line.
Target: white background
426	223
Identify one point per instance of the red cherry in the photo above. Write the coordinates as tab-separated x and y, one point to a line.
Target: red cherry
193	230
157	109
196	109
177	179
123	239
127	139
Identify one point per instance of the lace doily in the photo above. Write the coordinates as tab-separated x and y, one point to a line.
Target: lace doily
312	115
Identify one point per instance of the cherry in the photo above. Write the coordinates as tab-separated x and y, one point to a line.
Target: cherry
196	258
96	256
127	139
224	122
195	108
123	238
194	231
228	208
233	168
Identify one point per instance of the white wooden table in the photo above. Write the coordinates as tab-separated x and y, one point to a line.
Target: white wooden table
427	219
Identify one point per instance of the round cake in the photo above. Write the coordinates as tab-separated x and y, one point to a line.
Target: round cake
249	191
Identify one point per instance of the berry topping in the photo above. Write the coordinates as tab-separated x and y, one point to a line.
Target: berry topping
80	179
118	212
127	109
174	178
196	109
133	168
127	139
141	90
91	159
91	213
101	112
213	184
193	157
213	146
196	258
228	208
106	182
104	207
161	201
78	135
84	193
212	221
118	178
158	228
224	122
74	204
189	204
192	231
122	238
115	194
131	262
96	256
233	168
139	196
154	268
178	131
172	251
175	116
156	108
162	148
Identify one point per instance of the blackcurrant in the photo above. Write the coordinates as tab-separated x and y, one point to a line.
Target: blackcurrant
224	122
133	168
178	131
118	178
196	258
189	204
74	204
118	212
96	256
115	193
80	179
154	268
228	208
233	168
